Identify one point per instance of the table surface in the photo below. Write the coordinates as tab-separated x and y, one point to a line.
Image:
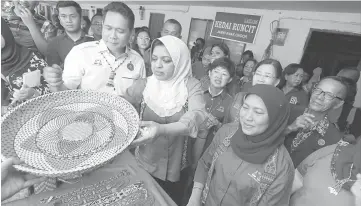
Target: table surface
123	161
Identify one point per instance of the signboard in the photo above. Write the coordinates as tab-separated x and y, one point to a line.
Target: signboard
236	27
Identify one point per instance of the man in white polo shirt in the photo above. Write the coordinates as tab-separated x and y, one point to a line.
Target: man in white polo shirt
107	65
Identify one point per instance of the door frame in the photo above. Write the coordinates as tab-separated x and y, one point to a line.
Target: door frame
325	31
150	18
190	24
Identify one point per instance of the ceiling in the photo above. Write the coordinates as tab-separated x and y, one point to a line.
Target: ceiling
322	6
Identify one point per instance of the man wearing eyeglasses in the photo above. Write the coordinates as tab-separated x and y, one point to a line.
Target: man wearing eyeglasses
310	128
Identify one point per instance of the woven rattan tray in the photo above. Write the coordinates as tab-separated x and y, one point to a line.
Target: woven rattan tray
68	133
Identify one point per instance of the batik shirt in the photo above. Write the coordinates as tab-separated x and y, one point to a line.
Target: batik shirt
21	31
14	81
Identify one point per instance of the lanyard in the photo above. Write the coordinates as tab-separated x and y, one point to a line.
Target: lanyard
112	73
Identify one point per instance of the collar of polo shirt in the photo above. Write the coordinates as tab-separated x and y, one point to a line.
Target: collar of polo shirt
103	48
65	35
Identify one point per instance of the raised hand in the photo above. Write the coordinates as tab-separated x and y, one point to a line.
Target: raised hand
25	14
24	93
53	75
304	121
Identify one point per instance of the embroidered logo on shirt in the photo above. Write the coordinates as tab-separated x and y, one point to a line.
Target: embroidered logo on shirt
293	100
98	62
220	109
130	66
256	176
237	106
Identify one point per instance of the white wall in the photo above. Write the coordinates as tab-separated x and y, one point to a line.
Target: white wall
299	24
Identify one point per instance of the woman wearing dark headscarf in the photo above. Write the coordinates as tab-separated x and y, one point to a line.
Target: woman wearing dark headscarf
247	164
328	176
20	70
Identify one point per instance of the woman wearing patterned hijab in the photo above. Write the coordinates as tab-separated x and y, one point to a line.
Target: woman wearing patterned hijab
171	108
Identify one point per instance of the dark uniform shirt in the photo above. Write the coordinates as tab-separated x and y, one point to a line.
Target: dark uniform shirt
238	85
147	63
60	46
301	144
298	98
216	107
198	70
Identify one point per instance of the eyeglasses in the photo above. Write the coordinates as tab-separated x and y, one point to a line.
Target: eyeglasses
144	38
327	95
265	76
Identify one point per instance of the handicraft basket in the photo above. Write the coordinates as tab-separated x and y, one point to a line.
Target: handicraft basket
68	133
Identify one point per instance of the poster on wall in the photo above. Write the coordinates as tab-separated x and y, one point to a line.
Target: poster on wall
281	36
236	27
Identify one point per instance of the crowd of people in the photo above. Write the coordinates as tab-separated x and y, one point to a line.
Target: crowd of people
213	132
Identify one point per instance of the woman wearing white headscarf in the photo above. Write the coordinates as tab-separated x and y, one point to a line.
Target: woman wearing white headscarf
171	108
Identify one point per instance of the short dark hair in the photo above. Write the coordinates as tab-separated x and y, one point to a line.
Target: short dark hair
275	63
155	43
351	90
290	69
88	23
351	69
251	60
225	63
95	15
345	82
249	53
63	4
201	39
173	21
122	9
141	29
224	47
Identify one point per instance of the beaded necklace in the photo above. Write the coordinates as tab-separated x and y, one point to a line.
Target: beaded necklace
319	129
335	189
110	82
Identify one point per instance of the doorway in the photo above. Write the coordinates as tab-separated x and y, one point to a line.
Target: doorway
156	21
331	50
